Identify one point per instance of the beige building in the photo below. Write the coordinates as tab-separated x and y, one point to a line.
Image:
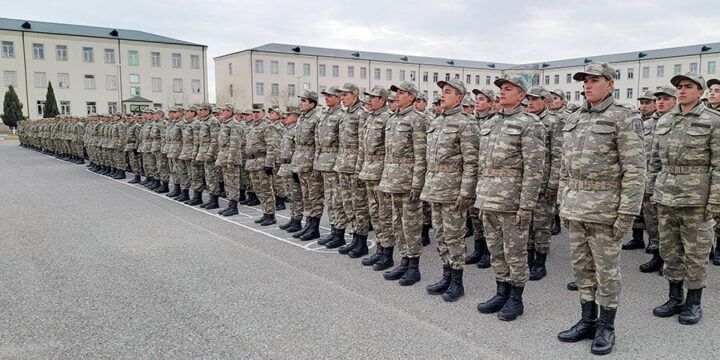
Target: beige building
276	73
98	70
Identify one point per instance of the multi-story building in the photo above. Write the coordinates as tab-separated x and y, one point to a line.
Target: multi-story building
98	70
275	73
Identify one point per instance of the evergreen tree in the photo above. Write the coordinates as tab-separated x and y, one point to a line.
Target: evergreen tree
12	109
50	109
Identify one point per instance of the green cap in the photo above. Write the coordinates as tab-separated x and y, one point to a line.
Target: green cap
666	90
309	95
292	110
227	107
558	92
485	92
514	79
406	86
539	92
377	91
468	101
258	107
596	69
332	91
351	88
205	106
712	82
692	76
455	84
647	95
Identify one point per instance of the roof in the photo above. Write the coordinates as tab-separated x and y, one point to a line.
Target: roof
373	56
87	31
137	99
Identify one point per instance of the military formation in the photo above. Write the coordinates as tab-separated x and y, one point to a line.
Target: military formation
506	166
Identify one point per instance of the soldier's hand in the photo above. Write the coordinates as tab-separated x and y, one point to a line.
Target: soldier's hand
296	178
415	194
464	203
623	224
523	217
268	170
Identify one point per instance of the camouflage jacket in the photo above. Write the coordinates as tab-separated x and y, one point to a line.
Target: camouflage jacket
131	134
649	138
353	119
326	139
175	138
405	147
207	150
223	141
145	140
452	157
157	133
186	149
553	154
372	146
685	158
304	155
512	156
603	165
261	148
287	148
196	124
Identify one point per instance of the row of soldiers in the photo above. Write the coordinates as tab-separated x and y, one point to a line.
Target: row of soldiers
506	162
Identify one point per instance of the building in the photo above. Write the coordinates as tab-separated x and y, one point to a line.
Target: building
276	73
98	70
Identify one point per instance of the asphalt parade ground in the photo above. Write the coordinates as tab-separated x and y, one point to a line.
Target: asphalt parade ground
93	267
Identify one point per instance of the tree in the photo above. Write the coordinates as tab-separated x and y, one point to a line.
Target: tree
50	109
12	109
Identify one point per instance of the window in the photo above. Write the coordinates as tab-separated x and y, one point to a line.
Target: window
677	69
231	90
363	72
306	69
110	82
425	76
63	80
176	61
644	89
229	68
10	78
477	79
388	74
377	73
694	67
39	51
321	69
134	78
291	68
568	79
8	49
61	52
617	75
435	77
306	86
65	107
616	93
556	79
194	61
89	56
660	71
89	82
274	89
577	96
135	90
402	75
156	84
291	90
112	107
40	107
711	67
468	78
259	89
109	56
195	86
133	58
630	73
567	95
447	76
547	79
412	75
457	76
155	58
274	67
40	80
488	80
91	107
629	93
335	70
435	94
645	72
351	71
177	85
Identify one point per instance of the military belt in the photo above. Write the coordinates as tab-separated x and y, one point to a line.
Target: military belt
445	168
375	157
592	185
502	172
685	169
257	155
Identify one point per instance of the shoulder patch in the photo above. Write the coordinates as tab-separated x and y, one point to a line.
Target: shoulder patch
638	127
539	131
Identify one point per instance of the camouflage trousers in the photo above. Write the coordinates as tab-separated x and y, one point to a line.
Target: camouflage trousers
427	213
120	160
595	258
163	167
380	210
231	176
353	197
539	239
294	193
79	149
279	183
406	224
263	185
311	184
212	177
333	202
244	178
448	224
507	243
474	215
135	163
150	164
650	215
181	169
685	242
197	175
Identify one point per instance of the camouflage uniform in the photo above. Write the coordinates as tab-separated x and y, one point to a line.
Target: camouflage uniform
230	156
285	172
197	167
326	150
311	182
207	153
159	130
145	149
132	134
278	181
184	158
261	152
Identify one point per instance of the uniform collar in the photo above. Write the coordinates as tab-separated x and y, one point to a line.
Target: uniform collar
452	111
517	109
380	110
543	113
609	100
354	107
483	115
696	111
406	110
310	112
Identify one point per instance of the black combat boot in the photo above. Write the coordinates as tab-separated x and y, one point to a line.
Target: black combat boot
636	242
412	275
135	179
327	238
572	286
228	211
337	240
145	181
538	270
279	203
305	228
345	249
441	286
270	220
556	228
261	219
692	311
120	175
484	262
716	258
361	249
399	271
456	289
163	188
213	203
295	225
314	230
175	192
585	328
477	253
425	235
286	225
184	195
514	306
253	200
370	260
498	301
605	335
655	264
156	185
242	197
531	258
468	228
196	199
385	261
674	305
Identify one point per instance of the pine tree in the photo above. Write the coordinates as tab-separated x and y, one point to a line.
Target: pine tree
12	109
50	109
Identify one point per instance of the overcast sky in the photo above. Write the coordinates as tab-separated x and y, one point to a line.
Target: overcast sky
505	31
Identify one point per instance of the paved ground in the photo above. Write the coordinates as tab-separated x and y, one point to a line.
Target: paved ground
97	268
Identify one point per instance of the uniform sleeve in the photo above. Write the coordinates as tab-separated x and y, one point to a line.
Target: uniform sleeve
271	143
419	152
213	147
714	197
556	155
362	132
469	148
654	164
631	153
533	154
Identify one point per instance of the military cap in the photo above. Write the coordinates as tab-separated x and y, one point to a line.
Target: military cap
514	79
177	108
257	107
485	92
712	82
455	84
192	108
227	107
275	109
215	110
421	96
694	77
539	92
292	110
524	102
391	96
351	88
332	91
596	69
311	95
237	112
558	92
436	99
406	86
468	101
647	95
205	106
666	90
377	91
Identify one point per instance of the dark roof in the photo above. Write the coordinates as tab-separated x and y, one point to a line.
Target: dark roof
88	31
137	99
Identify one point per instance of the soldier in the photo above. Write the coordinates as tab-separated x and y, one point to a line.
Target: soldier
261	151
132	134
275	115
468	104
391	103
311	181
452	163
601	185
247	197
665	102
371	163
172	148
437	108
686	151
159	130
119	132
197	166
207	154
185	157
559	108
713	102
403	178
291	181
510	175
230	157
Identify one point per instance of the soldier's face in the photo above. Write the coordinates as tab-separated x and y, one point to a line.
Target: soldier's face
304	105
189	115
664	103
437	108
203	112
536	104
376	102
468	109
597	88
404	99
290	119
647	107
557	103
450	97
273	116
331	100
714	94
482	103
349	99
689	93
257	115
225	114
420	105
392	105
510	96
